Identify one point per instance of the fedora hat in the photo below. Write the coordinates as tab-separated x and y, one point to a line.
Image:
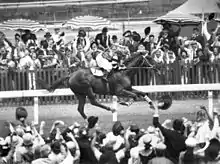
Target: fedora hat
127	33
92	120
47	35
164	102
147	30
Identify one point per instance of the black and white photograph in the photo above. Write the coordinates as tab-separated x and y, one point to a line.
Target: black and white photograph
109	81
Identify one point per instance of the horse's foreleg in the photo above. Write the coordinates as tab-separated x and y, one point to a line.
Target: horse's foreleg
82	101
93	101
126	93
134	94
143	95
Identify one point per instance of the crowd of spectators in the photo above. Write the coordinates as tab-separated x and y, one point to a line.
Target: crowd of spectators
180	141
54	51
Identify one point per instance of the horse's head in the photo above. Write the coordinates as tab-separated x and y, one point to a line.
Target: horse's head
141	60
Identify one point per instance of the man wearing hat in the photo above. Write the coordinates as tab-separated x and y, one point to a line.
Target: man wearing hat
174	139
198	37
83	40
103	39
25	153
116	134
160	158
146	40
47	37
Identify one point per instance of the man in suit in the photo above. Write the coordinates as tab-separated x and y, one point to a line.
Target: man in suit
103	39
198	37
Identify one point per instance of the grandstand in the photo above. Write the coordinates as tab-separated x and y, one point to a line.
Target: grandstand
53	11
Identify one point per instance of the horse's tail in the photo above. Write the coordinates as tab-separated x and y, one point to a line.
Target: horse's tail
55	85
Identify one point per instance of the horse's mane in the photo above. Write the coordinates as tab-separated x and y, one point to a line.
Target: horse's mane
136	58
131	59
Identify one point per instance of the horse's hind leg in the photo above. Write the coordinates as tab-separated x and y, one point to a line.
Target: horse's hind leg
93	101
81	104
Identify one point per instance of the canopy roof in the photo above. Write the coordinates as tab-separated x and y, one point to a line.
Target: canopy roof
178	17
199	7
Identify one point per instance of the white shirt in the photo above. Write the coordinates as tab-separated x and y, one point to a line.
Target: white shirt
203	132
111	137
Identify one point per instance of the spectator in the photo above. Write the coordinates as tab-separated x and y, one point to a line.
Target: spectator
28	38
89	61
189	156
174	139
160	149
47	37
25	153
103	39
45	150
51	60
87	155
115	40
25	60
145	41
83	40
71	61
94	49
108	155
198	37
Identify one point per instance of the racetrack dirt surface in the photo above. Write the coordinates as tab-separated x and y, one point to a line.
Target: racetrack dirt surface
138	113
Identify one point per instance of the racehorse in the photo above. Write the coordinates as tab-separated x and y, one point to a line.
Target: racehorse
84	84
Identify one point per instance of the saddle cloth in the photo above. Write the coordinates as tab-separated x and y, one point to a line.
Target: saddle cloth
97	72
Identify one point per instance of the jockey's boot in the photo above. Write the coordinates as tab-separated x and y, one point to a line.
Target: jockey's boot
105	77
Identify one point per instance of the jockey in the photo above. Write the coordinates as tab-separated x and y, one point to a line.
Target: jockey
103	61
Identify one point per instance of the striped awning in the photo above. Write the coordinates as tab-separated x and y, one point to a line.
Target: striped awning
88	22
22	24
178	18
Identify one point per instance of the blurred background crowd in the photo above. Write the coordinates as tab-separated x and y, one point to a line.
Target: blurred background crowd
28	52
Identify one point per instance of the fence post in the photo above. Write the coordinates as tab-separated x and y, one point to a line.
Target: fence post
210	98
36	105
115	106
36	111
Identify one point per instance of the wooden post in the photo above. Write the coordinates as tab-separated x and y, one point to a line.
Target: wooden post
36	106
36	111
210	98
115	106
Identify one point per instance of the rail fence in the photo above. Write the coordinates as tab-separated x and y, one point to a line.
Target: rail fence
175	73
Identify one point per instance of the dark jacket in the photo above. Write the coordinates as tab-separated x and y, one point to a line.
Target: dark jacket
200	39
87	156
103	40
174	141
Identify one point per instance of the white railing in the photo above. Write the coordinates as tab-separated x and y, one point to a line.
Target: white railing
148	89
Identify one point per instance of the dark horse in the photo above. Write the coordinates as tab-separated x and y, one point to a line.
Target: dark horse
84	84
